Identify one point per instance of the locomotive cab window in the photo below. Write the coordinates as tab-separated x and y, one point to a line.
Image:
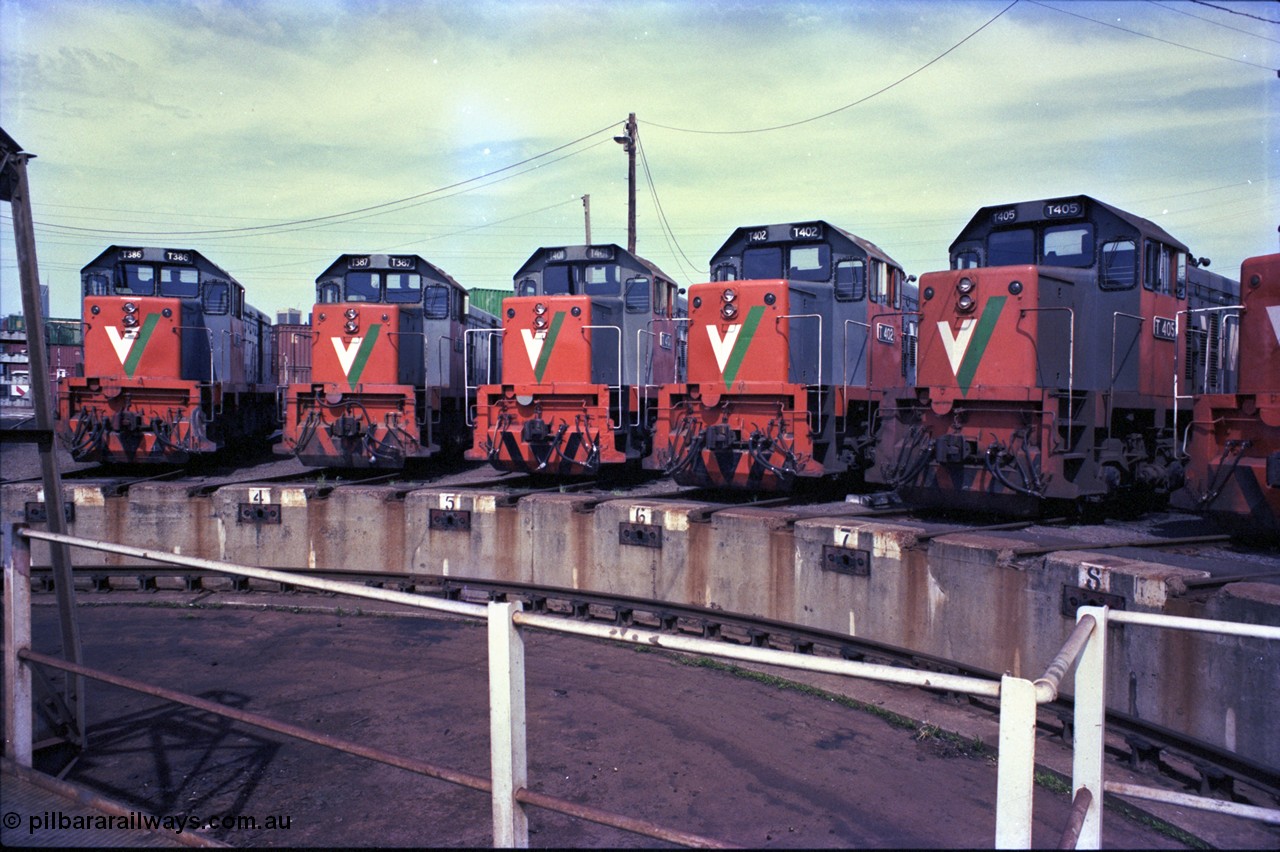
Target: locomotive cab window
404	288
527	287
1012	248
1180	279
879	282
217	297
1069	245
601	280
636	297
557	280
362	287
851	280
329	293
136	280
1157	272
1119	265
810	263
180	281
97	284
761	263
724	272
967	258
436	302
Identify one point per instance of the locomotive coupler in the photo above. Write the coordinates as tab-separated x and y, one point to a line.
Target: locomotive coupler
536	431
345	426
719	437
127	421
950	449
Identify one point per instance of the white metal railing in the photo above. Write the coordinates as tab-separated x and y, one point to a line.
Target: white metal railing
1087	773
467	386
1018	697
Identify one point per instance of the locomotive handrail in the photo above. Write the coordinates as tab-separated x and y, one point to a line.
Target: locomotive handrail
642	389
844	349
1071	360
819	384
618	386
1177	321
1111	382
466	368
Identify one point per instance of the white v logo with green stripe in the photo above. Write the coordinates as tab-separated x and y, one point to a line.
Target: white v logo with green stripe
732	347
354	356
538	344
131	343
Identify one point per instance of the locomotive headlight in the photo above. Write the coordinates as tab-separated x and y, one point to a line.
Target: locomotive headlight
539	322
130	308
95	310
539	309
928	293
965	303
350	313
167	313
769	298
964	285
1015	287
130	320
697	301
729	311
352	327
576	311
728	295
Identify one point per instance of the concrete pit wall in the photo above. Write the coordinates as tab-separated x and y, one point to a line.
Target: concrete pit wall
961	596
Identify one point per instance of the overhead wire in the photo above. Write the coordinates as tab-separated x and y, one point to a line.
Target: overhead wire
349	215
1235	12
668	233
1153	38
861	100
1215	23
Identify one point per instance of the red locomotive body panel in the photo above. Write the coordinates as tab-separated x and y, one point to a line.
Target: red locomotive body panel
1233	441
738	393
353	410
135	406
548	416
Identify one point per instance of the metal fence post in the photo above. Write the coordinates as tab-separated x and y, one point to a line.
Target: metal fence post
507	727
1015	775
18	721
1090	725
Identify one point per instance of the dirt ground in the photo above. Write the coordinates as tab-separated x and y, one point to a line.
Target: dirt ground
647	734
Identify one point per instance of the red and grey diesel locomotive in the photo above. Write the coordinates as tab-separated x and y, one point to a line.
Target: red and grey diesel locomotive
389	363
588	337
176	364
790	344
1047	358
1232	440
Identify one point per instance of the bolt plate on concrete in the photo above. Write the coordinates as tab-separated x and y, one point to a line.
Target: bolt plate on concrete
846	560
450	519
36	513
258	513
641	535
1073	598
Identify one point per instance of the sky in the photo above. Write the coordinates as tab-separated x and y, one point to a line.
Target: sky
274	136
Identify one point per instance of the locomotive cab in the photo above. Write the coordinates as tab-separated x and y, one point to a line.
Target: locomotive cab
176	364
589	334
789	343
388	373
1047	361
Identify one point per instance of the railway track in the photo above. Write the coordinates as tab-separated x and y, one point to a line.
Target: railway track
1192	763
